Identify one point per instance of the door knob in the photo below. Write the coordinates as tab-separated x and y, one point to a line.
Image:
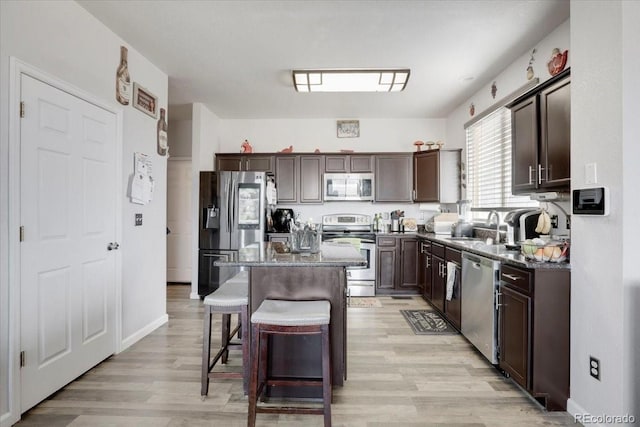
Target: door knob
113	246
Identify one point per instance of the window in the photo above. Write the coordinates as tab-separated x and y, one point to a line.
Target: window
489	163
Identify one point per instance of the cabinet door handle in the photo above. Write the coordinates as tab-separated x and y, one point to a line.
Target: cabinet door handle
511	276
530	177
540	169
428	262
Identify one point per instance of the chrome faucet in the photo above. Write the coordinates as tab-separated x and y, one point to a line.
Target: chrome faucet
491	215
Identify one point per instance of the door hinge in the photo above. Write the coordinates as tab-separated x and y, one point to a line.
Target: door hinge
22	109
22	233
22	359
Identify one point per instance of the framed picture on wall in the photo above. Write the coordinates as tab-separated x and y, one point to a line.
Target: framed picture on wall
348	128
145	101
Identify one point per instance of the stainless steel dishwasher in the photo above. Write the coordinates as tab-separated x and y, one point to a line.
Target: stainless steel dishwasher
479	316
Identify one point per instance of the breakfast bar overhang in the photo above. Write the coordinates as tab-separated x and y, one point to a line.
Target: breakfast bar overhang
301	277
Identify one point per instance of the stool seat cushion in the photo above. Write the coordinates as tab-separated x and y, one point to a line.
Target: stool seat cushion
229	295
292	313
242	277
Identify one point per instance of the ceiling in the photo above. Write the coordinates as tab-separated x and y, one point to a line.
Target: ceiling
236	56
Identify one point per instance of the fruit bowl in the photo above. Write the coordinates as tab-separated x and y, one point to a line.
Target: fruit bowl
549	251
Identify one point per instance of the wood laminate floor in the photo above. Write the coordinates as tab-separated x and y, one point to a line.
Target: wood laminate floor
395	378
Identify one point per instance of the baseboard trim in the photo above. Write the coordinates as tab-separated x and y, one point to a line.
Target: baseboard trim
143	332
576	411
194	295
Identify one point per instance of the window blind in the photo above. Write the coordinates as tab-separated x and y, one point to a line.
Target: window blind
489	163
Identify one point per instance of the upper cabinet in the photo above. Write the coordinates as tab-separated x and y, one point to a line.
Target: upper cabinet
394	176
436	176
299	178
348	163
541	137
245	162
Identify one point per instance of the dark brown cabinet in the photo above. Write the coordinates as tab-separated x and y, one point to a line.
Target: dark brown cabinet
534	331
453	307
397	265
287	181
386	264
245	162
394	177
299	178
311	179
514	335
436	176
541	137
408	265
424	269
348	163
438	276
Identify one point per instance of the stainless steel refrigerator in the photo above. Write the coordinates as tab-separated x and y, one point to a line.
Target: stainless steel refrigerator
232	206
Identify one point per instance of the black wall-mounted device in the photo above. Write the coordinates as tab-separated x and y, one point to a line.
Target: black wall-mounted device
591	201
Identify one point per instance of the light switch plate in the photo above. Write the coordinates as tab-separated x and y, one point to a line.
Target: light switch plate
138	219
590	173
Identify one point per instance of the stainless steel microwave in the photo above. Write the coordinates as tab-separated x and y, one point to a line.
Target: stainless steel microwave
348	186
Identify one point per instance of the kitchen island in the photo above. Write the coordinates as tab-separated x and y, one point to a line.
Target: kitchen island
301	276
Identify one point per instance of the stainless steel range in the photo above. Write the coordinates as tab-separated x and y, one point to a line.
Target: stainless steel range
355	229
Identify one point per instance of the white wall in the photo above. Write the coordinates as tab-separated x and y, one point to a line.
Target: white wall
205	142
605	274
65	41
305	135
631	205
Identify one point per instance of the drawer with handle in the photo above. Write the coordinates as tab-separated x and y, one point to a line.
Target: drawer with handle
516	278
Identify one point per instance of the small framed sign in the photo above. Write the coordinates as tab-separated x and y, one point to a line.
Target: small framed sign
348	128
145	101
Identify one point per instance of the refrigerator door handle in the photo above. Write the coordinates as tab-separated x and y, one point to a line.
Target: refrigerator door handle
228	195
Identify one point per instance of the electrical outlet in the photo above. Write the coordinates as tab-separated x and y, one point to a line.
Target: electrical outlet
554	221
138	219
594	367
568	222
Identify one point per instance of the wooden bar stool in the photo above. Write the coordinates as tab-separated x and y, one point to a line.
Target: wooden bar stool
279	317
230	298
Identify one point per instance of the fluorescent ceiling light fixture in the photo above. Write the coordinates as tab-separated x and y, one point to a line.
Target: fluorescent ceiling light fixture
351	80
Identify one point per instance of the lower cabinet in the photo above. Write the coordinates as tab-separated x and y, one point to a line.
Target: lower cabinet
534	331
397	265
453	307
436	293
438	272
424	269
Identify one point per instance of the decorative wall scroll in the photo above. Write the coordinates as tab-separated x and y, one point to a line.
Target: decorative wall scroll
348	128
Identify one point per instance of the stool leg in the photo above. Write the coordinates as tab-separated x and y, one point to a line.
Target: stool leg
224	340
244	329
206	352
326	375
263	368
253	382
241	324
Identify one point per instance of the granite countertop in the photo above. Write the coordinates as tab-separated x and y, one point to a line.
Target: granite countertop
497	252
265	255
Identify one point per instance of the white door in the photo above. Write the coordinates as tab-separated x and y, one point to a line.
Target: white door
179	220
67	209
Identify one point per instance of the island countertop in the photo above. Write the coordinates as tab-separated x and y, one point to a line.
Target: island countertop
265	255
